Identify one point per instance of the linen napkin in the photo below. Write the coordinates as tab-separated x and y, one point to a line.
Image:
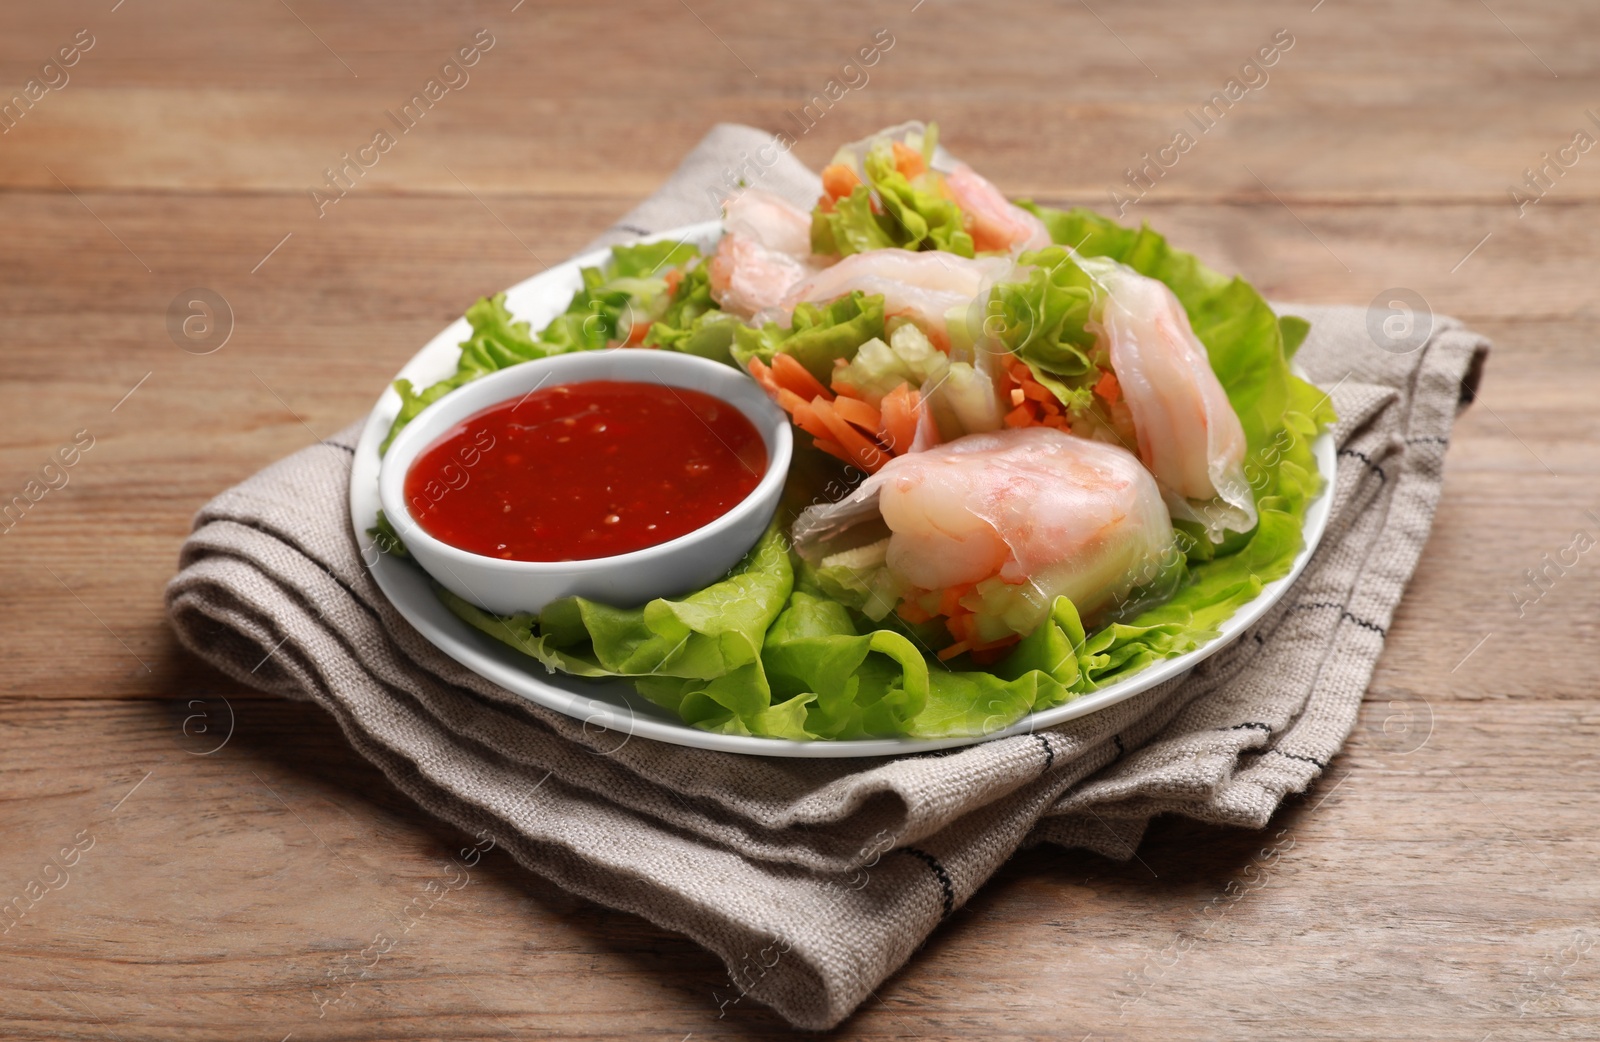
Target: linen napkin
814	880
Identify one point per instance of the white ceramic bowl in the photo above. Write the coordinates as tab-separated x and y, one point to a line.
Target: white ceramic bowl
679	565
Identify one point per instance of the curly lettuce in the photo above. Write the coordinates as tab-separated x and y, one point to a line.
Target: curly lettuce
692	323
765	653
1042	318
699	656
634	288
817	336
891	209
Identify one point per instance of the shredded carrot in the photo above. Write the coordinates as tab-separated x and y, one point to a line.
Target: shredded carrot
805	417
838	180
961	628
763	376
788	372
858	412
912	612
900	418
1107	387
983	654
858	433
791	402
950	599
674	277
868	454
908	160
1035	404
1020	417
833	449
993	651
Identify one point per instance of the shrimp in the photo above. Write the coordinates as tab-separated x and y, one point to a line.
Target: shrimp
925	287
769	220
1188	434
994	222
1010	520
764	251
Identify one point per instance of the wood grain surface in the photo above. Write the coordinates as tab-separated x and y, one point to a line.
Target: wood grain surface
229	852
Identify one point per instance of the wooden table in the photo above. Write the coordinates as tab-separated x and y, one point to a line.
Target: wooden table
1441	880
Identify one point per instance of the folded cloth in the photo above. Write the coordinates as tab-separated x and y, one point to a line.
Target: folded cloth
815	879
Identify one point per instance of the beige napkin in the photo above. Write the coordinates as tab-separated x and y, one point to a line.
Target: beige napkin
815	879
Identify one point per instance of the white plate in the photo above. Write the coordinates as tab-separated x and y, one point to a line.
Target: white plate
613	705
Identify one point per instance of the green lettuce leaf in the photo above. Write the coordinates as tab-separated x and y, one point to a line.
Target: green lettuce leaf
818	335
1055	664
1042	319
1239	329
692	323
1294	329
497	341
385	539
632	287
851	227
649	259
855	684
910	214
699	655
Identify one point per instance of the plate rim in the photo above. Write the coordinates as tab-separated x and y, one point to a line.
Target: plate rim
494	661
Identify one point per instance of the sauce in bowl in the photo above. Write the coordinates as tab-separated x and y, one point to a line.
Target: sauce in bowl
585	470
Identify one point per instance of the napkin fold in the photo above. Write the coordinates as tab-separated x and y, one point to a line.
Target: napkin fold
814	880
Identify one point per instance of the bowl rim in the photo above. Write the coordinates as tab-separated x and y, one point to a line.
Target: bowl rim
418	435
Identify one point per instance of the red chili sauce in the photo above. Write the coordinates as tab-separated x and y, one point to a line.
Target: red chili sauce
585	470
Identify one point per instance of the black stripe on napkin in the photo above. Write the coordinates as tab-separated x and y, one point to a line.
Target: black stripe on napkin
1296	756
939	873
1049	753
1343	614
1364	458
